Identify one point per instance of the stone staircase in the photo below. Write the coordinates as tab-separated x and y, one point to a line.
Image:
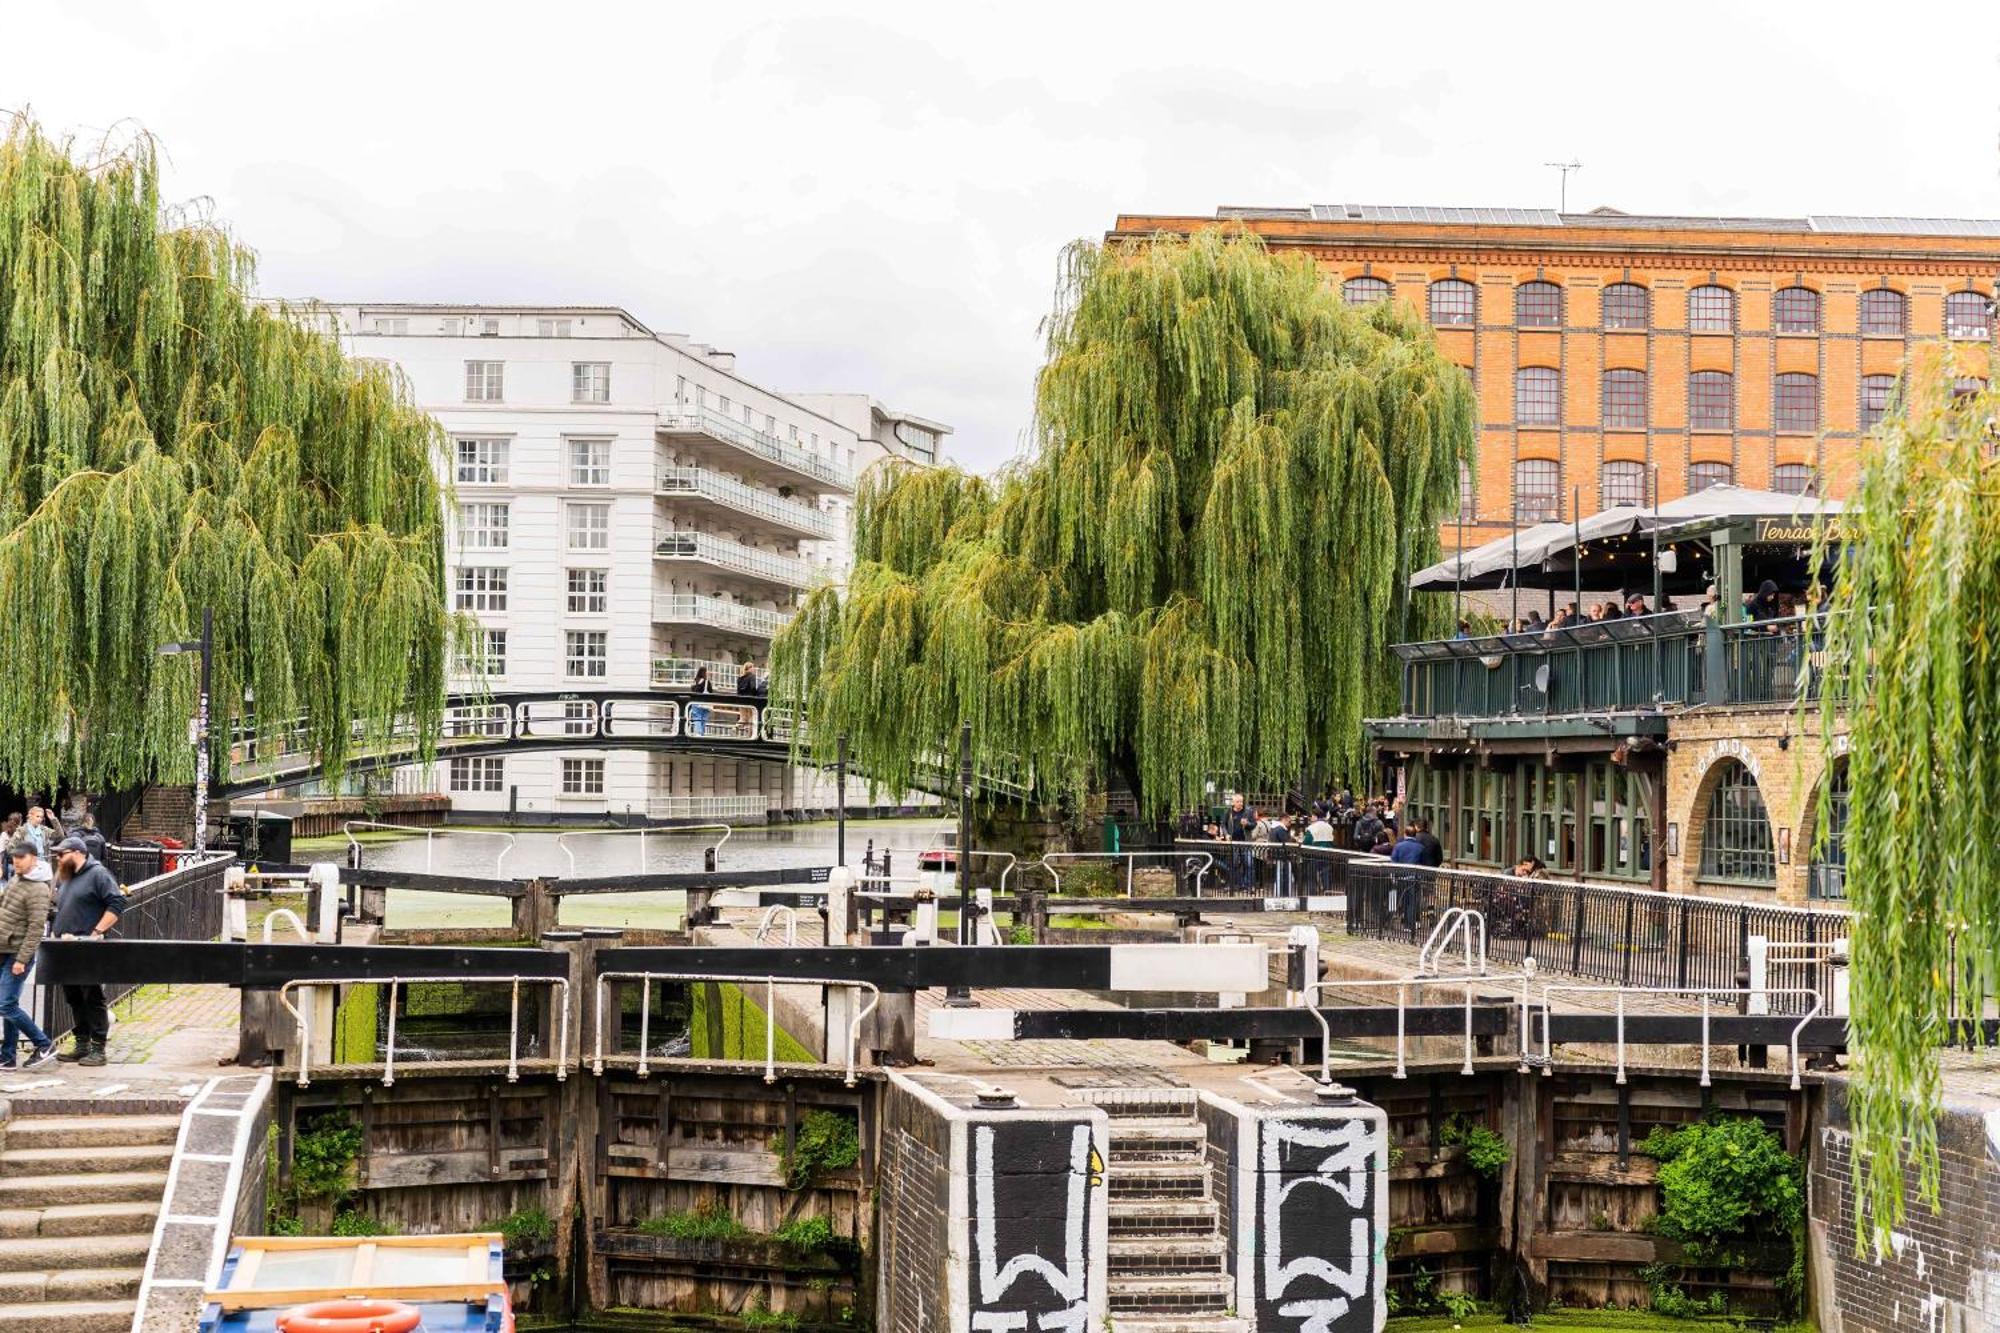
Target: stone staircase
78	1199
1168	1264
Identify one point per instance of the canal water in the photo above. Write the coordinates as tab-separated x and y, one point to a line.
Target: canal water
478	853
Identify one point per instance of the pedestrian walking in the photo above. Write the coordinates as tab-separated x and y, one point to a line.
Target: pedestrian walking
88	905
24	915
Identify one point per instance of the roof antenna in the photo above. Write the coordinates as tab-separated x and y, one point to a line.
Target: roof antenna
1565	168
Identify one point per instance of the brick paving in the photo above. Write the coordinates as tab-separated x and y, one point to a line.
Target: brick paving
165	1040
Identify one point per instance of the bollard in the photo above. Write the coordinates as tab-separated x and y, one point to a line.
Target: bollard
236	904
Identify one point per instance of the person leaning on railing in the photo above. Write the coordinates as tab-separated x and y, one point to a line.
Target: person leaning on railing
88	905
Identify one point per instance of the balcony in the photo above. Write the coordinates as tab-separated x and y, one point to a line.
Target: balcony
714	613
776	456
732	809
730	495
786	571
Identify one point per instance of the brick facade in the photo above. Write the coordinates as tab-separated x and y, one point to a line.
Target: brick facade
1789	762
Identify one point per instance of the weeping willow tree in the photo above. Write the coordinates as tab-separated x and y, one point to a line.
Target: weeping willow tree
1913	679
167	445
1198	568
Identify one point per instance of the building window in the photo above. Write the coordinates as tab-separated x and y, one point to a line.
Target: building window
579	717
484	381
1454	303
1625	400
1828	877
1537	396
1967	386
485	654
482	461
1468	494
588	593
590	462
583	777
489	328
1712	310
482	526
1884	314
1968	315
479	588
1537	491
1794	479
393	327
552	328
1877	392
1627	306
1736	839
1795	310
1364	291
484	773
587	526
1795	408
1621	483
1711	400
583	654
590	382
1701	476
1538	305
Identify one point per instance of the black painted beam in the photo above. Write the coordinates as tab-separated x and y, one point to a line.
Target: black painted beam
1029	967
696	879
142	962
1431	1020
369	878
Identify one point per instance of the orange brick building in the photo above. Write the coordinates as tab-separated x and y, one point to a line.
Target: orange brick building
1611	349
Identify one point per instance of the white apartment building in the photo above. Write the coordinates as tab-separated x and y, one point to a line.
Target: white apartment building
631	512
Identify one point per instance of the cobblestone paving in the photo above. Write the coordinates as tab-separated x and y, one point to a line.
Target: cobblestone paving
151	1015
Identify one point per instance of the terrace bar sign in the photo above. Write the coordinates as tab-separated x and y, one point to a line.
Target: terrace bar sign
1804	529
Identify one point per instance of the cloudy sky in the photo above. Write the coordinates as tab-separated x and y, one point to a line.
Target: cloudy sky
873	196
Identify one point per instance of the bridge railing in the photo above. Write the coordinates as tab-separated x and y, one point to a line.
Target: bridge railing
1276	870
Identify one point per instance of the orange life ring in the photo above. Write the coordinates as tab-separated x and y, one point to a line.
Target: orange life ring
351	1316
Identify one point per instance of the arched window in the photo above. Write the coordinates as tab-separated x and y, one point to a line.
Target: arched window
1454	302
1828	875
1877	392
1794	479
1711	400
1795	310
1624	400
1968	315
1538	305
1537	491
1468	494
1712	310
1884	313
1795	406
1537	396
1736	839
1364	291
1965	386
1701	476
1621	483
1626	306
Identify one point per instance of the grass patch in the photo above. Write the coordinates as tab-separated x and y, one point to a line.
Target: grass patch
742	1028
711	1221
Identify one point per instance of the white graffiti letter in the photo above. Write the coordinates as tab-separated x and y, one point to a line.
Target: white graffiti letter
1068	1281
1345	1172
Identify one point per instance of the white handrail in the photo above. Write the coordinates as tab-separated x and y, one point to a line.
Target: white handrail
304	1038
1130	859
770	915
1459	921
354	843
561	838
646	980
271	919
744	498
1402	985
1548	1046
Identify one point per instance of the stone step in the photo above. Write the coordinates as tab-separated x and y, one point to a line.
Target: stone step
1173	1141
90	1131
1190	1293
1154	1255
75	1284
1123	1104
32	1253
1194	1323
68	1317
111	1158
49	1192
100	1219
1158	1180
1131	1219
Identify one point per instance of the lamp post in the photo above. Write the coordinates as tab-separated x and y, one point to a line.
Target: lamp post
198	728
960	997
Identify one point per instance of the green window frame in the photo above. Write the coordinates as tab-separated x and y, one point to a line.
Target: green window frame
1736	842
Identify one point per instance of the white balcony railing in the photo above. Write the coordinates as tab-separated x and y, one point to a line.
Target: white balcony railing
709	549
693	609
745	499
726	808
704	421
678	673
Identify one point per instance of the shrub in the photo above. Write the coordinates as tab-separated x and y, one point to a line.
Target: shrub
826	1141
1091	879
527	1227
807	1235
348	1222
1728	1181
1485	1151
709	1221
323	1158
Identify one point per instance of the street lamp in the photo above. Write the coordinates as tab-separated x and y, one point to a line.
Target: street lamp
198	727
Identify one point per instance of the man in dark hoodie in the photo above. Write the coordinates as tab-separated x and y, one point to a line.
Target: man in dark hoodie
24	913
87	906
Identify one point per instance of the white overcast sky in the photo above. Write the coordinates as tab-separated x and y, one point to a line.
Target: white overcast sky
873	196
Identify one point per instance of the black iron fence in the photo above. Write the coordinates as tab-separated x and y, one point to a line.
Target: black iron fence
180	904
1274	870
1624	937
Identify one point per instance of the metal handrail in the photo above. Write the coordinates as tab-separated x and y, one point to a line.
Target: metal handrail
1130	859
743	498
1706	992
751	440
1460	920
678	673
708	807
304	1038
563	844
646	980
429	834
771	915
737	557
1402	985
698	609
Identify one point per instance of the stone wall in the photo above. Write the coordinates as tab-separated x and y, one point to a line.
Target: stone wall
1942	1272
913	1197
1788	760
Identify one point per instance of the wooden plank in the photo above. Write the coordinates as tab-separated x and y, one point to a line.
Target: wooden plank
442	1291
469	1167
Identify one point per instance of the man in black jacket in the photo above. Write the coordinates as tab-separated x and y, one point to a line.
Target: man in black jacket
88	905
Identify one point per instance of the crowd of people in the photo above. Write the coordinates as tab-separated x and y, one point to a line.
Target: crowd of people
1769	602
1376	824
55	885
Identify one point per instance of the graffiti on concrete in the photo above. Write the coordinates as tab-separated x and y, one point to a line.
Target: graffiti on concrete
1317	1213
1030	1221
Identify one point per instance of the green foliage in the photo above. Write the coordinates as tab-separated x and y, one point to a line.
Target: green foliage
826	1141
710	1221
165	445
1724	1181
323	1158
761	1316
527	1228
349	1222
1669	1300
1485	1151
283	1224
1020	933
1092	879
1200	567
742	1029
805	1234
1913	676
